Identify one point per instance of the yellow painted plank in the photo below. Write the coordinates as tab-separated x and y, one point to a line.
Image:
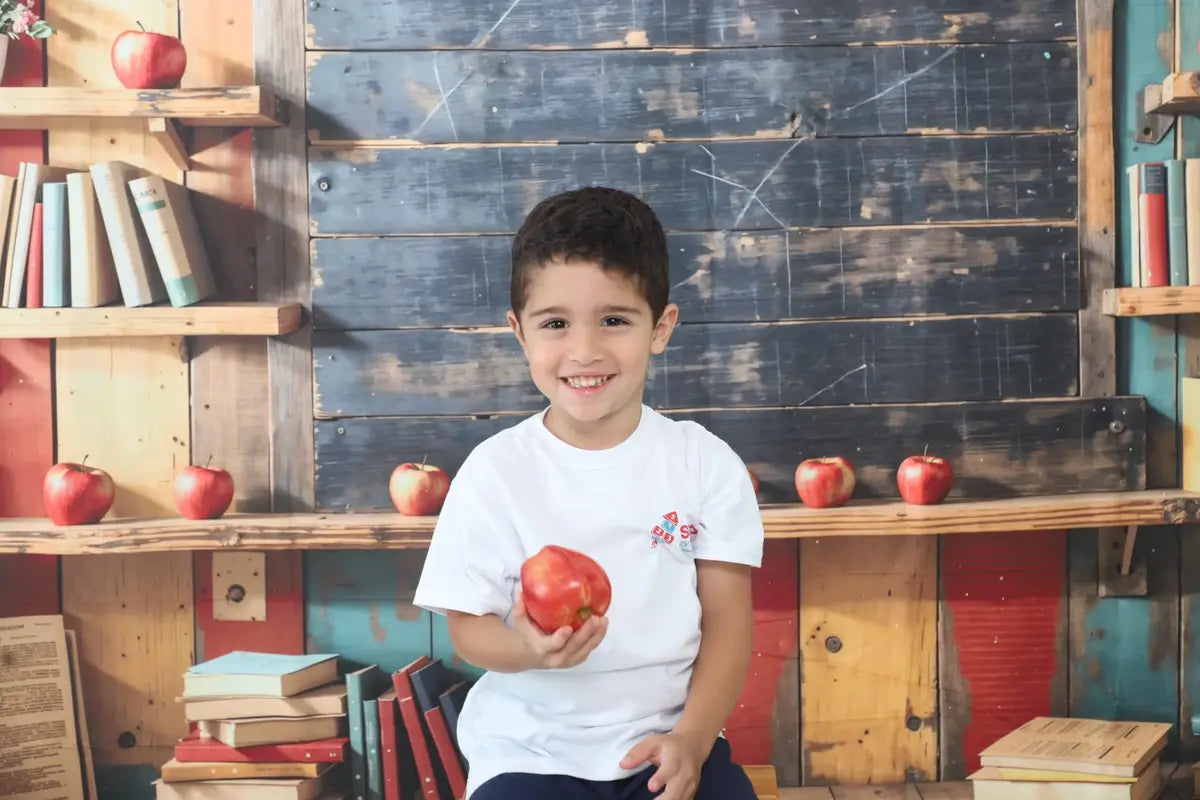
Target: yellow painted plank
868	630
124	404
885	792
114	322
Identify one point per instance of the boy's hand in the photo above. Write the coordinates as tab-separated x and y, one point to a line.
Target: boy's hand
561	649
678	758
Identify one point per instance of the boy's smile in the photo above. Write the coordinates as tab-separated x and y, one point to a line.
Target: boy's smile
588	336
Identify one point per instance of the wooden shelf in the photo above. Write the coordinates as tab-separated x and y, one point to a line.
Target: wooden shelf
221	106
203	319
369	531
1178	93
164	111
1151	301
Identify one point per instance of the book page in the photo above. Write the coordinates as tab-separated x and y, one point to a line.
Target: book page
39	758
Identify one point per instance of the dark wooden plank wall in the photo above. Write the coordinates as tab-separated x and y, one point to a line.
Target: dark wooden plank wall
873	230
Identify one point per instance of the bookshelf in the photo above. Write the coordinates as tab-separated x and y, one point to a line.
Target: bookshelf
373	531
1178	93
202	319
166	112
1149	301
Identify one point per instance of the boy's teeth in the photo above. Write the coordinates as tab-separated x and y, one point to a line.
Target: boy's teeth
583	383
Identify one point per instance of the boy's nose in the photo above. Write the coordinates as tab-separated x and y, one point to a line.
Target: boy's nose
585	349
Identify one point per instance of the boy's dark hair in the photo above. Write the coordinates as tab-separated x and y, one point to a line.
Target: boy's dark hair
608	226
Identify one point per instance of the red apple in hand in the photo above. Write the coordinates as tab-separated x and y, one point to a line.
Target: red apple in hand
74	494
142	59
418	489
824	482
561	587
753	479
203	492
924	480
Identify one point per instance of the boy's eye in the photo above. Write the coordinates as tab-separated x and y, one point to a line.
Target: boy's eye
554	323
615	321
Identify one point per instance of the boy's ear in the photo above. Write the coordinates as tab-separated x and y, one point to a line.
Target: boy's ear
515	325
663	328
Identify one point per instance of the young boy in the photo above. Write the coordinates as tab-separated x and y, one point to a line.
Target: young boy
636	700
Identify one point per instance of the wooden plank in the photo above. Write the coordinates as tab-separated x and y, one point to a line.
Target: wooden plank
216	106
720	276
868	620
281	202
891	792
373	373
1129	301
359	605
953	790
504	25
805	793
1179	94
1125	650
636	95
1097	207
113	322
133	613
389	530
765	724
28	584
735	185
1002	656
996	448
230	421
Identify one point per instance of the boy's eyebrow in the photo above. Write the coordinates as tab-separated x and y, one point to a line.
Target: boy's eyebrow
614	309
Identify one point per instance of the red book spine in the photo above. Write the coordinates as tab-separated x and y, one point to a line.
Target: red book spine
1152	201
33	263
321	751
388	748
446	751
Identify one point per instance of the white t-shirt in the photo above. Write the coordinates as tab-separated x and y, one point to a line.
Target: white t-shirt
644	509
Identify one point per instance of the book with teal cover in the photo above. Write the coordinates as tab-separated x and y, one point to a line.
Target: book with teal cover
55	245
242	662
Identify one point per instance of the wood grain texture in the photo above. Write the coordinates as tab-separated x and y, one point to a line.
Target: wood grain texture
998	448
635	95
377	373
504	24
718	276
728	185
868	655
1002	639
1151	301
28	584
117	321
1097	206
764	727
392	531
283	629
280	202
209	106
133	614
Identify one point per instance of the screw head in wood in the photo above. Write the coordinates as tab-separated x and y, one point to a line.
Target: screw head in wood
1116	426
323	184
236	593
833	644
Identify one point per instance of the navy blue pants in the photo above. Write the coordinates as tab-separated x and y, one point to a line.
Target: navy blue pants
720	779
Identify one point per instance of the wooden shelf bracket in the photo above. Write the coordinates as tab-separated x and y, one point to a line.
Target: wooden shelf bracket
166	132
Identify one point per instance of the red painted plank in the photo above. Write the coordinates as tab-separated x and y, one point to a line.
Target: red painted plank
281	632
764	727
1006	610
28	584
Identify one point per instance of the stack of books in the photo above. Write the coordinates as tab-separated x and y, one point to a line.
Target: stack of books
1073	759
265	726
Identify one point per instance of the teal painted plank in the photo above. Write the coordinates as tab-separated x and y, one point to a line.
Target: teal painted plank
1188	131
122	782
359	604
1125	662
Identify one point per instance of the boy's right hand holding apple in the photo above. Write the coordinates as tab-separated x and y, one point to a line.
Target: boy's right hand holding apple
561	649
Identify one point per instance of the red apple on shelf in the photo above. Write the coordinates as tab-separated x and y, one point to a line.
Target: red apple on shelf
144	59
75	494
203	492
824	482
924	480
418	489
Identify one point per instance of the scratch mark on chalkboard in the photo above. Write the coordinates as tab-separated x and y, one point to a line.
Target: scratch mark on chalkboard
482	40
754	194
445	97
737	185
441	102
857	369
897	85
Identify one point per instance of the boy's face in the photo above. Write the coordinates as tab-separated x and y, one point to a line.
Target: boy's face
588	336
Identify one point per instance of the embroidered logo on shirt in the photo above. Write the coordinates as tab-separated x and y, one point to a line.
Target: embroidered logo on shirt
668	531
